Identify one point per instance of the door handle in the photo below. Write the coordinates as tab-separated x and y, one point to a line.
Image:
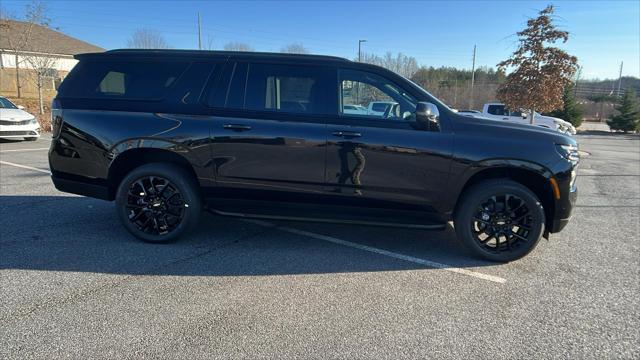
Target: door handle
237	127
505	118
346	134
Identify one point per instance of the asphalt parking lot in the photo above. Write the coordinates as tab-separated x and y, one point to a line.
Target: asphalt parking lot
73	283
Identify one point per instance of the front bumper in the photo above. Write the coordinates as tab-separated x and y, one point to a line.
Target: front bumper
19	131
560	222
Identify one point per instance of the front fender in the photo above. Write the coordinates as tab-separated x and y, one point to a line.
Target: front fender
460	178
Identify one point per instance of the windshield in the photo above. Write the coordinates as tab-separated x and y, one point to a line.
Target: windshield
6	104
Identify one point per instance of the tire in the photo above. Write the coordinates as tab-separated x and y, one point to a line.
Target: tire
503	208
164	211
31	138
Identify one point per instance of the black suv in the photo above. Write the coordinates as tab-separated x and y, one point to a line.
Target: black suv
168	133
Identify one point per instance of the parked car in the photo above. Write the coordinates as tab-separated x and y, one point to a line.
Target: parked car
354	109
166	133
15	123
498	111
378	108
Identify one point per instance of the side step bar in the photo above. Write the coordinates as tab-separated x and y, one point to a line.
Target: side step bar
333	221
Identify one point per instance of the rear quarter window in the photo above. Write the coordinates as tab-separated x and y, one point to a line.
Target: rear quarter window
143	80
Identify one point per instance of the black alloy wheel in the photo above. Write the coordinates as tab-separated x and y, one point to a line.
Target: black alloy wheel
499	220
502	223
159	202
155	205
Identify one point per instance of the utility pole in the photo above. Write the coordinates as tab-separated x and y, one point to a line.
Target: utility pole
360	49
199	32
359	60
455	94
620	78
575	88
473	77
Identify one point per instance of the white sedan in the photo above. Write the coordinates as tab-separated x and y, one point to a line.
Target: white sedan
15	123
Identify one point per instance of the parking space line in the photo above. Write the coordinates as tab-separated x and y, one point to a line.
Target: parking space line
20	150
25	167
429	263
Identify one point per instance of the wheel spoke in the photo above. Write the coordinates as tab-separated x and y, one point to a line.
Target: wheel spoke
520	237
516	220
156	206
505	213
482	221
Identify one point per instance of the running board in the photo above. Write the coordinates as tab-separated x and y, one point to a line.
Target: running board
332	221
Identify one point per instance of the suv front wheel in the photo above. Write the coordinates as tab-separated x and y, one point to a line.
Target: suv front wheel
158	202
499	220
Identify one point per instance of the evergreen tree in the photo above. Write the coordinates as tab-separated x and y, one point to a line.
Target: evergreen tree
628	118
571	111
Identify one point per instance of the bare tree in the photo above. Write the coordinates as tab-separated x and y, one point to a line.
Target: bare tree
145	38
294	48
209	44
237	46
38	59
541	72
21	36
44	66
400	63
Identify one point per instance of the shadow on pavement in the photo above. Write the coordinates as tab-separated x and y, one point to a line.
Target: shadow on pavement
64	233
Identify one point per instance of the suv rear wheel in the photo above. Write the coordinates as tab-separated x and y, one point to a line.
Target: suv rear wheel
158	202
499	220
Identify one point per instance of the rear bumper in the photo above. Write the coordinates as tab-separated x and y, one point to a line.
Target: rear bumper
81	188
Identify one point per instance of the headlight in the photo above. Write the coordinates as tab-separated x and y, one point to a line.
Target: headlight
569	152
33	121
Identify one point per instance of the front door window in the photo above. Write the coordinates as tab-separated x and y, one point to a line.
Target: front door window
371	96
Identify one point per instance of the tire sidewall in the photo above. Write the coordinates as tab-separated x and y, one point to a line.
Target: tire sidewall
478	194
179	178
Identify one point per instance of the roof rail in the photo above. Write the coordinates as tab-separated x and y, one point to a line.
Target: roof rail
173	52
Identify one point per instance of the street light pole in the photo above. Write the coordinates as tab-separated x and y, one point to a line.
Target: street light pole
359	60
360	49
199	32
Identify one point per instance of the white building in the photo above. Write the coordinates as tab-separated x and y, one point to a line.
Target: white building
29	44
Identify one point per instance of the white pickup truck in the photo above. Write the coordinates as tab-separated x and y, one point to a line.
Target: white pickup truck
498	111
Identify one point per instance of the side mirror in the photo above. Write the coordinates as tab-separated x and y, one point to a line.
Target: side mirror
524	115
428	116
20	107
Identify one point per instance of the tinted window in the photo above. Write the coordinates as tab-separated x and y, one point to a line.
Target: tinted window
496	110
6	104
235	94
287	88
122	79
372	95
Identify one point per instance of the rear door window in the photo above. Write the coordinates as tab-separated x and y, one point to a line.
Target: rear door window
288	89
143	80
228	91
